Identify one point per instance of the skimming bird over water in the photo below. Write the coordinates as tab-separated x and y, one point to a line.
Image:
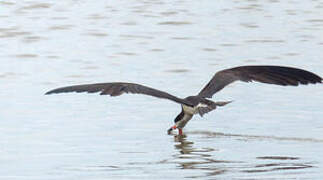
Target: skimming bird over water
284	76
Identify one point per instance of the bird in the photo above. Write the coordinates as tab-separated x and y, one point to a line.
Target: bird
202	103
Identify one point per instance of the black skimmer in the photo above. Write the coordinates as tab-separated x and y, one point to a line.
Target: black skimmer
200	104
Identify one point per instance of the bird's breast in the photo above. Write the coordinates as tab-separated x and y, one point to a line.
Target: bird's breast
188	109
193	110
181	123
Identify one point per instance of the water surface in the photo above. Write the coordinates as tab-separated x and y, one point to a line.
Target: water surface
269	132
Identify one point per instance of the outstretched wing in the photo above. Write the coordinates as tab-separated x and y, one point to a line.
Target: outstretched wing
284	76
118	88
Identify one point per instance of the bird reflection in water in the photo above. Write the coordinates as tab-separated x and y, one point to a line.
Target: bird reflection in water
203	159
193	158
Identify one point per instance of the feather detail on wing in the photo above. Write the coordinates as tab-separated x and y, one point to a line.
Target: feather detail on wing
284	76
118	88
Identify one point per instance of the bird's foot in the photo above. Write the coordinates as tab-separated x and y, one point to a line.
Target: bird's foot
180	135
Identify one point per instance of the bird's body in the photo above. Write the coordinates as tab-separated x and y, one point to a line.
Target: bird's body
200	104
191	110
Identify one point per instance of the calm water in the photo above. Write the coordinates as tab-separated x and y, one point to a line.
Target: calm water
269	132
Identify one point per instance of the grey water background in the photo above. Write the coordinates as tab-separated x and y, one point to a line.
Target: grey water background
268	132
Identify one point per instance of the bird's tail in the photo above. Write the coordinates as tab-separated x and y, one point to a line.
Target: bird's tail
211	106
222	103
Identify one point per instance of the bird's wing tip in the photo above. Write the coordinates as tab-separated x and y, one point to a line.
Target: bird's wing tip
54	91
48	93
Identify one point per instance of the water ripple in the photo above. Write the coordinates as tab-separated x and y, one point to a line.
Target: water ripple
256	137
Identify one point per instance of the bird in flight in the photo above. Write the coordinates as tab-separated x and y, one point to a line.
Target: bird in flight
201	103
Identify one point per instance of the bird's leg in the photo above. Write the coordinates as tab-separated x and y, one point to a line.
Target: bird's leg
180	132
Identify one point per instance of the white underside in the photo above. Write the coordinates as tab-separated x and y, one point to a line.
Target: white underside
193	110
188	114
180	124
